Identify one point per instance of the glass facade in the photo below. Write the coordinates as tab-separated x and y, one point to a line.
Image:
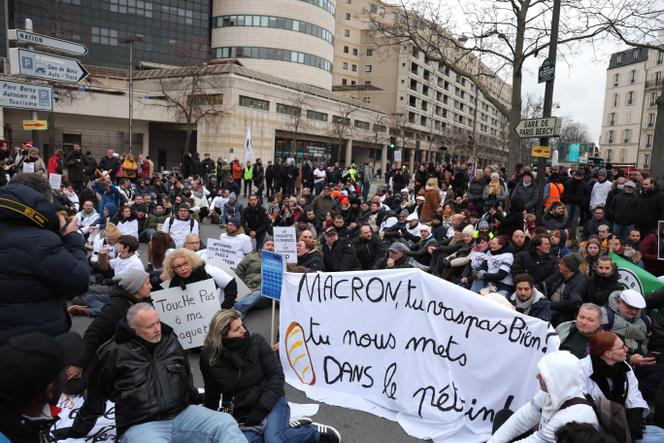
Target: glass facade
173	31
324	4
284	55
264	21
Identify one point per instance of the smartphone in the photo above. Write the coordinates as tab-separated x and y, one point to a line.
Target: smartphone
656	355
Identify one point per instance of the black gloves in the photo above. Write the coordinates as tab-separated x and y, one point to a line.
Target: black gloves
256	416
65	433
230	294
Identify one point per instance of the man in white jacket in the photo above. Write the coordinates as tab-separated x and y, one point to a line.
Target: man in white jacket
560	381
180	225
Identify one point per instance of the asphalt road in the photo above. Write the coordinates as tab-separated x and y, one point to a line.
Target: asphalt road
355	426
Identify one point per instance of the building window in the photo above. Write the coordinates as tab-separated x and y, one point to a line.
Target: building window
346	49
623	155
177	15
632	76
379	128
412	100
653	99
130	7
207	99
612	119
423	120
354	51
361	124
366	99
352	82
265	21
610	136
283	55
288	109
630	98
619	58
646	161
636	53
660	57
626	135
256	103
341	120
315	115
347	16
344	82
609	155
369	52
323	4
346	32
344	65
104	36
658	78
648	140
353	68
368	68
616	79
615	100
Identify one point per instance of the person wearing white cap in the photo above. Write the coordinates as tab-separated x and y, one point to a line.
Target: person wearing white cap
621	208
624	317
411	231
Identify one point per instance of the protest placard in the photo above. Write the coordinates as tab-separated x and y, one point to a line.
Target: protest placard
225	250
55	180
28	167
272	270
285	242
408	346
188	311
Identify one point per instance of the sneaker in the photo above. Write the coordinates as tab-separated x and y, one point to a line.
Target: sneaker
328	434
298	422
78	310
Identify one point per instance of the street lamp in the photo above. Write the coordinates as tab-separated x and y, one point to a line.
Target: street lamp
131	40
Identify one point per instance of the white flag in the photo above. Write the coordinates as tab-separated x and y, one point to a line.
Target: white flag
248	149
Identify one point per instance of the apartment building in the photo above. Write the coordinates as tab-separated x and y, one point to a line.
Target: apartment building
633	84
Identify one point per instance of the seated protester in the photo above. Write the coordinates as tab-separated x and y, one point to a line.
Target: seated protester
592	226
243	376
421	256
368	248
541	417
249	271
559	247
309	257
130	288
634	239
182	267
535	261
458	223
304	225
152	222
141	218
440	250
126	221
127	258
396	258
106	237
338	253
32	367
607	375
496	268
528	300
483	228
555	217
193	243
603	282
394	232
477	258
438	229
386	219
591	253
159	245
255	221
132	367
519	242
575	334
624	317
451	266
649	249
363	214
236	235
284	217
411	231
565	288
180	225
511	222
617	246
232	208
340	225
604	233
651	369
87	219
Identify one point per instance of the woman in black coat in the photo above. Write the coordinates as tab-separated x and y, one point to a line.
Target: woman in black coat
243	377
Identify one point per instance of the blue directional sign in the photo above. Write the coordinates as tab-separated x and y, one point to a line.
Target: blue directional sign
46	66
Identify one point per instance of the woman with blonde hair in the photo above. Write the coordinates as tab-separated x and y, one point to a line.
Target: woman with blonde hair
107	236
495	192
244	378
432	201
130	167
183	266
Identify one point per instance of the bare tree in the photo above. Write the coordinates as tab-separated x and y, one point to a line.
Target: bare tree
341	128
296	119
574	132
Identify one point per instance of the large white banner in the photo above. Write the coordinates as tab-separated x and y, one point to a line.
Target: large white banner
410	347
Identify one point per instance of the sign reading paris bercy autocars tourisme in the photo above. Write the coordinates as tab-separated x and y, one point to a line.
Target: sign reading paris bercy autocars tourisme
25	96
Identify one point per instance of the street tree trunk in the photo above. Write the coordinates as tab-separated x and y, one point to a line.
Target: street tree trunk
657	163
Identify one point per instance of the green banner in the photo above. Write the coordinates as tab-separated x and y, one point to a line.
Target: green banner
634	277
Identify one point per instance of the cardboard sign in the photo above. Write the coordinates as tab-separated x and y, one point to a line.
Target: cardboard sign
226	250
55	180
28	167
285	242
272	271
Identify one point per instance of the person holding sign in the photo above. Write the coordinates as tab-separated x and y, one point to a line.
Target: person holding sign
244	377
183	266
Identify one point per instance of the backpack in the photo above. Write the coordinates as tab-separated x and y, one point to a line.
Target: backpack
172	219
611	417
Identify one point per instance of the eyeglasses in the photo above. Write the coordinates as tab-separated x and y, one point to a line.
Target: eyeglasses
183	265
622	347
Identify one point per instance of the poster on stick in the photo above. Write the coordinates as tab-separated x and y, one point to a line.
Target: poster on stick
285	242
188	311
409	347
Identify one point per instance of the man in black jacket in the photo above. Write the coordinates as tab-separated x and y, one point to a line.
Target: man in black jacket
338	253
255	221
535	261
145	372
368	247
269	179
650	208
110	163
603	282
565	288
575	196
258	175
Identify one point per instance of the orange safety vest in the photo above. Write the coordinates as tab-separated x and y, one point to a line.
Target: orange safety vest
555	191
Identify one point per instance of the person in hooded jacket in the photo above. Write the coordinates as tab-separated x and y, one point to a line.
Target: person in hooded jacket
183	266
514	219
338	253
528	300
603	282
558	376
622	209
43	260
536	261
575	196
243	376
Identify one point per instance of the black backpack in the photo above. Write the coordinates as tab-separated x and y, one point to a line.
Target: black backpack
611	417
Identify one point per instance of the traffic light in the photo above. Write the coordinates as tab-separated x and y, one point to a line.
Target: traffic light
392	144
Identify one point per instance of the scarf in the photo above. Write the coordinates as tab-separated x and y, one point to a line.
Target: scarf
524	306
617	373
234	350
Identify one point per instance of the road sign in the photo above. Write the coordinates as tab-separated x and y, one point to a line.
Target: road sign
547	71
25	96
55	44
540	151
538	127
46	66
35	125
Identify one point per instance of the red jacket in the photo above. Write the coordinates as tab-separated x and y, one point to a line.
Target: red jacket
55	165
237	170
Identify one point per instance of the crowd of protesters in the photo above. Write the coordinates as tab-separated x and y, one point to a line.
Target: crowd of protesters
474	227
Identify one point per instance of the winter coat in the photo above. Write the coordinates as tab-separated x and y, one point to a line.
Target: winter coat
431	204
250	377
637	341
528	195
368	251
313	261
599	288
552	222
340	257
572	296
656	341
543	413
622	208
110	164
75	164
226	284
592	225
540	308
649	210
255	219
249	270
322	205
475	191
575	193
39	268
538	266
649	252
144	385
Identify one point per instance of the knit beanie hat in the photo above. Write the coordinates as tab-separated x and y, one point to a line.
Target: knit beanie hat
468	230
573	261
132	280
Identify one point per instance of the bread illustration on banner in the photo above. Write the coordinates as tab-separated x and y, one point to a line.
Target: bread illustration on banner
298	354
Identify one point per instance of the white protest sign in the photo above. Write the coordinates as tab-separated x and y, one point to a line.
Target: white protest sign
28	167
226	250
285	242
55	180
408	346
188	311
397	156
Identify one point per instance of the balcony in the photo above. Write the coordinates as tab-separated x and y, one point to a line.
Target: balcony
654	84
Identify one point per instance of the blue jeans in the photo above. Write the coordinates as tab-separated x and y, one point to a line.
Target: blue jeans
195	423
652	434
574	212
251	301
96	303
622	231
278	431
